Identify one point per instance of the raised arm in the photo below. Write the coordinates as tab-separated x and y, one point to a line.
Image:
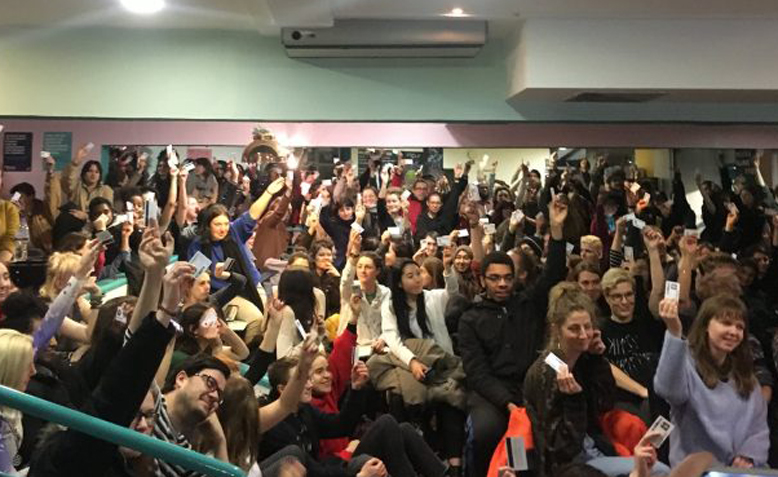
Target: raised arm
260	205
66	298
653	238
170	207
688	246
154	257
671	380
183	199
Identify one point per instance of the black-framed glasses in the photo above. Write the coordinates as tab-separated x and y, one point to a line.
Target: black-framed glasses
212	385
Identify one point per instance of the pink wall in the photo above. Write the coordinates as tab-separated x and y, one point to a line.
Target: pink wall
343	134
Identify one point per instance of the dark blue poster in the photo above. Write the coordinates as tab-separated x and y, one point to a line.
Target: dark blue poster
17	151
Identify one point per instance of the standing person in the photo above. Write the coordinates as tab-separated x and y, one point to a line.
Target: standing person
81	189
271	230
202	183
36	215
219	239
708	379
499	338
438	216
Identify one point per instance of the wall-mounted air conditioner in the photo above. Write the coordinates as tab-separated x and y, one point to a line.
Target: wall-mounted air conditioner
387	39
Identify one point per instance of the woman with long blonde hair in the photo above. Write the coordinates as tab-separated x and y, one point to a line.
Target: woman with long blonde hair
16	369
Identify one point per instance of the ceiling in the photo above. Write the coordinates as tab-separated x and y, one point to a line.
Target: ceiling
268	16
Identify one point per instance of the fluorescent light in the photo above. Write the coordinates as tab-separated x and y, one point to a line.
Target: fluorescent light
456	12
144	7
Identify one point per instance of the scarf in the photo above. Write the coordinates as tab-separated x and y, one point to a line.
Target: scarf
232	250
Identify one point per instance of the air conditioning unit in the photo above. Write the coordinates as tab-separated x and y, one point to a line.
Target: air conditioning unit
387	39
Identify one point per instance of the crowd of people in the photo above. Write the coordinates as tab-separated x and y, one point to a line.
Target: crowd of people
392	320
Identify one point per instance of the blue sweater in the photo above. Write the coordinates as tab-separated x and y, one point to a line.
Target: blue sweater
240	231
716	420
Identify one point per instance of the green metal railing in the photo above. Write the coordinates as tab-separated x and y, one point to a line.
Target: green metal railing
122	436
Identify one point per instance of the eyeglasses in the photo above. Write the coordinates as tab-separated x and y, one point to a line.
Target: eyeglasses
499	278
149	416
629	296
212	385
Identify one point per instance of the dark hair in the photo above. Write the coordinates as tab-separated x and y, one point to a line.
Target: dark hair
377	262
400	303
95	203
434	267
278	374
295	288
583	266
72	242
300	256
206	217
193	365
106	323
189	319
89	164
127	193
203	161
23	188
346	202
20	309
318	245
403	248
739	364
498	258
370	244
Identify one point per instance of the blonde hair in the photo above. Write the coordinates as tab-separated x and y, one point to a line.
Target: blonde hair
613	277
592	240
563	299
15	358
60	263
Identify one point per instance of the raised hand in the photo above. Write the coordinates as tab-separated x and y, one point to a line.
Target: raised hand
87	262
668	311
652	238
81	154
448	254
155	255
181	274
688	246
359	375
359	213
459	171
566	382
645	455
276	186
557	211
596	345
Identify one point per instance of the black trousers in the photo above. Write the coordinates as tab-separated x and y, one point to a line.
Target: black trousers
489	425
402	450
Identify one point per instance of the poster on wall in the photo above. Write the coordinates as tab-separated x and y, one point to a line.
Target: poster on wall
195	152
60	145
17	151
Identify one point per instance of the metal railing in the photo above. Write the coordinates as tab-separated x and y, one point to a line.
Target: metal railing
121	436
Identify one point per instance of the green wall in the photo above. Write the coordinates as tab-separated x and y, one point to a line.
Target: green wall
130	73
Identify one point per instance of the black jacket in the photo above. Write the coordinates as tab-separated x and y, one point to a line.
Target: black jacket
309	425
446	219
499	341
116	399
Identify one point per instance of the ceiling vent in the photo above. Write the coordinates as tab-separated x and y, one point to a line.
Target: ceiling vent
387	39
594	97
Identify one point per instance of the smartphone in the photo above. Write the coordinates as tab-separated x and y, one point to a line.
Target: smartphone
228	263
356	288
105	237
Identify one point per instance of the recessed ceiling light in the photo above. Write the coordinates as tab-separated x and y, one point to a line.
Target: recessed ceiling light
456	12
143	6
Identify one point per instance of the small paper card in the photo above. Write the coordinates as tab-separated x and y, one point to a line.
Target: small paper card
639	224
629	253
691	232
629	217
408	162
15	198
569	248
555	362
672	290
490	229
105	237
120	316
464	233
406	193
443	241
326	182
300	329
635	187
664	428
45	154
201	263
305	187
89	146
357	228
517	215
150	211
188	167
394	231
356	288
484	220
118	220
517	453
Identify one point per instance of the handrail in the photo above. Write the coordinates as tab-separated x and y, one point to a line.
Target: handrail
119	435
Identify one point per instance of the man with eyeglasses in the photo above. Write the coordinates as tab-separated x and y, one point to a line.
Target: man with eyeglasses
500	336
191	397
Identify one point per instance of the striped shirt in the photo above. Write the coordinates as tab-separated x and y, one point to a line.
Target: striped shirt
163	430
